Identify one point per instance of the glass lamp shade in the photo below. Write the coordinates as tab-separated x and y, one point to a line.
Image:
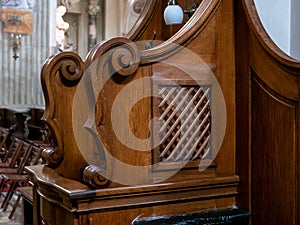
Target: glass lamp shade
173	14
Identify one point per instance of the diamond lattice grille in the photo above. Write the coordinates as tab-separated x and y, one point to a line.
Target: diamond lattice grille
186	116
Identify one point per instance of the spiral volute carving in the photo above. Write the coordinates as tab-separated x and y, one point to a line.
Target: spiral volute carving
52	156
123	54
68	64
93	178
125	59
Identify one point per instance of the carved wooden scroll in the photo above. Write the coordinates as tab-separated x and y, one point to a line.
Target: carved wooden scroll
60	75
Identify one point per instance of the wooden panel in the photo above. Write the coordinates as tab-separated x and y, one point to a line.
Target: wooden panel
127	216
267	123
243	118
54	214
225	74
273	157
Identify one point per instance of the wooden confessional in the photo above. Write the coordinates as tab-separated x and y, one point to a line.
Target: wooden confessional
206	119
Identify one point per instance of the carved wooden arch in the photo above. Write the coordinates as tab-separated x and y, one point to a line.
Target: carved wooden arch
66	158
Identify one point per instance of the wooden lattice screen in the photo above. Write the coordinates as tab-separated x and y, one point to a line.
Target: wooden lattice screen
185	131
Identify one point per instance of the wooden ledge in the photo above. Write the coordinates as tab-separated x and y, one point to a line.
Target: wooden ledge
75	196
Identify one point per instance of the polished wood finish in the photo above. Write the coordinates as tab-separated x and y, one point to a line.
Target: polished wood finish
27	202
126	203
85	185
268	123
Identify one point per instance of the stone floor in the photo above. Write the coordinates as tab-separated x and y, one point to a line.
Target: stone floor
16	220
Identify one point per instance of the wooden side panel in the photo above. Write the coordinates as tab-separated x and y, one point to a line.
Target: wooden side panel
243	119
273	157
129	215
267	123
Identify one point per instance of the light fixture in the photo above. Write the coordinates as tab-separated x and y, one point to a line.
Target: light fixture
190	11
173	13
16	44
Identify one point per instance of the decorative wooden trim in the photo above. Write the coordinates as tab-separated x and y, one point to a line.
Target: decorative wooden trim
66	68
129	49
73	196
123	57
92	177
52	156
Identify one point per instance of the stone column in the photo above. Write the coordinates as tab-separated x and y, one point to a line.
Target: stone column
94	8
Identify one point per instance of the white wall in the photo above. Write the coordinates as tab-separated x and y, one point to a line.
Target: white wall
20	79
281	20
275	16
295	29
120	17
112	18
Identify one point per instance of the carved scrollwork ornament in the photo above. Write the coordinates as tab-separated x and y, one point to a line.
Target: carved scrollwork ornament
125	59
91	176
52	156
71	68
68	65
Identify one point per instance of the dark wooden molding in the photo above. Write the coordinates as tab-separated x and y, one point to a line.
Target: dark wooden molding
73	195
